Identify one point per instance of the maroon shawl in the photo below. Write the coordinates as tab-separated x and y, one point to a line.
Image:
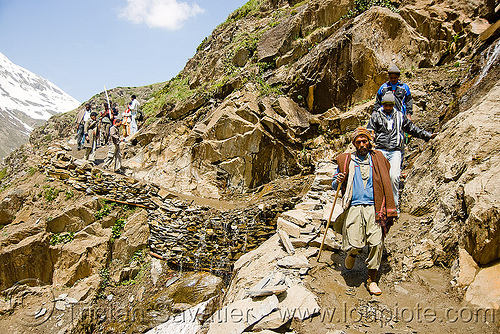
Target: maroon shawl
385	208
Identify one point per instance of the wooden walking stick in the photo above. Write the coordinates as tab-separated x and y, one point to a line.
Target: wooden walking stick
329	220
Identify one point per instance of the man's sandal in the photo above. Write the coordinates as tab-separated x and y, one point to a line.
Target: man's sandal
373	288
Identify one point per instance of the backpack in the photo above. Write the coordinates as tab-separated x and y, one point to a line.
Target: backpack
140	116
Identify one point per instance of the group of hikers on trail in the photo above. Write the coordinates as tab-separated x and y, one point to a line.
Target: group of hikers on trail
102	129
369	178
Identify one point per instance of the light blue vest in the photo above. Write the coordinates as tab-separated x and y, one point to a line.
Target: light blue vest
360	193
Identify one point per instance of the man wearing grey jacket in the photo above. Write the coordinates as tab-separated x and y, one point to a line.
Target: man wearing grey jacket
114	154
390	124
91	133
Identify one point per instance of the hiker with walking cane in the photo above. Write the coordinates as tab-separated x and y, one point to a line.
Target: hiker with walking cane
114	157
368	203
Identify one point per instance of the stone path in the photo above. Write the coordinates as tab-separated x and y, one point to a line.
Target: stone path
278	266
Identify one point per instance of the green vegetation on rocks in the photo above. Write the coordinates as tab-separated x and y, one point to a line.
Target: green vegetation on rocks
50	193
251	8
3	173
117	229
103	212
63	238
361	6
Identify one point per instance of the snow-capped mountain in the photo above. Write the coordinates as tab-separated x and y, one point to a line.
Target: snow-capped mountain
26	100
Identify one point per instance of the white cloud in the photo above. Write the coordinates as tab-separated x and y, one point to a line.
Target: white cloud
168	14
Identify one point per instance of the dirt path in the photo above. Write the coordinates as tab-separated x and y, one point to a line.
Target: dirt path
102	152
421	301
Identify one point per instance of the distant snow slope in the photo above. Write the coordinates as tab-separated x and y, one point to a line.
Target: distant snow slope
26	101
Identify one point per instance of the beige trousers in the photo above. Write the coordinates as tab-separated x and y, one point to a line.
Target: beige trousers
115	156
360	229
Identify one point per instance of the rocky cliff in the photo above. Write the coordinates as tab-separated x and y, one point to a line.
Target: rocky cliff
229	151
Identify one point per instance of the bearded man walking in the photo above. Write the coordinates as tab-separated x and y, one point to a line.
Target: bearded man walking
368	203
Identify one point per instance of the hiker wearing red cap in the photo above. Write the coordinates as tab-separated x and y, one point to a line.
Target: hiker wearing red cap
367	201
390	124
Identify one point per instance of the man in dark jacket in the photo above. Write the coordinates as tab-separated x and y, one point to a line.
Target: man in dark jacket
401	91
390	124
106	117
114	156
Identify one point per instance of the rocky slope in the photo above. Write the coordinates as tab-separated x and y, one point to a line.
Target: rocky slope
234	142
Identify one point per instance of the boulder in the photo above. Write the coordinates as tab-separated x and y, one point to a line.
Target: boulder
82	257
485	290
289	227
297	217
133	238
239	315
285	241
298	303
468	268
85	289
75	218
195	287
278	40
28	258
187	106
187	322
241	57
10	204
294	262
249	269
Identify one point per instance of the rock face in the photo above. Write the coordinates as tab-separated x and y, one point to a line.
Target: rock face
460	183
82	257
28	258
242	144
232	134
74	219
488	297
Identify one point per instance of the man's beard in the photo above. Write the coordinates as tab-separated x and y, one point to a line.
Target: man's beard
363	151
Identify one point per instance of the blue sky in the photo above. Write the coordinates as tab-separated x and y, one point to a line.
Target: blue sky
83	45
